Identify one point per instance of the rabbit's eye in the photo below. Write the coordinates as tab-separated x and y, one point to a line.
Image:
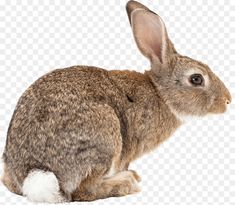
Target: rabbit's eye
196	79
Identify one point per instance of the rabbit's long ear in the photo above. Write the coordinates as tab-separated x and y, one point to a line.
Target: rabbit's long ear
151	36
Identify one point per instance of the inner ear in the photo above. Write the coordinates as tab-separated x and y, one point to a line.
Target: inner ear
150	34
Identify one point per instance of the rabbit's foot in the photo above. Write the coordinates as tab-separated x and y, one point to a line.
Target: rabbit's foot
124	183
136	175
121	184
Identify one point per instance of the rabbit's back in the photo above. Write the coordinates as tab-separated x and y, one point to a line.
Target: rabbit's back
80	82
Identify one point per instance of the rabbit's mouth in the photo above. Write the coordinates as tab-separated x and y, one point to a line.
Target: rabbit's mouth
219	106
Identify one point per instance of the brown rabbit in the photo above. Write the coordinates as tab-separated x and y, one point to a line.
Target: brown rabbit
75	131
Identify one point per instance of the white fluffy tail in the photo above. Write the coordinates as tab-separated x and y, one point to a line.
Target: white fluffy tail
41	186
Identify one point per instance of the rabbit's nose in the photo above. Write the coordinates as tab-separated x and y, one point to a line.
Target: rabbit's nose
227	96
228	99
228	102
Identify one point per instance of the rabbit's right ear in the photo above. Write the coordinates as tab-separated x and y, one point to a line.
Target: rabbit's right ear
150	33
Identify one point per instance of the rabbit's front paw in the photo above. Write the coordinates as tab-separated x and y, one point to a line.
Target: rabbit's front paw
136	175
129	182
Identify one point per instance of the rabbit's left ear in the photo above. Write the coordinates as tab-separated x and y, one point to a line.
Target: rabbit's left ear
151	36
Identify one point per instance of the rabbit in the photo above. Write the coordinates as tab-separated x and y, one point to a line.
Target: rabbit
75	131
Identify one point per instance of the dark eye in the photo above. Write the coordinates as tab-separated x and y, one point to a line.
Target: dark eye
196	79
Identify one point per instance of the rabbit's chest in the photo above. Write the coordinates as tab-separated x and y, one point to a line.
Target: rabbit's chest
148	126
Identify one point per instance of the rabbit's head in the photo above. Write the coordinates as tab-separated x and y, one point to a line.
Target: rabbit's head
188	86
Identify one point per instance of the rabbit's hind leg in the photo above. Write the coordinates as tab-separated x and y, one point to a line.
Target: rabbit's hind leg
9	181
121	184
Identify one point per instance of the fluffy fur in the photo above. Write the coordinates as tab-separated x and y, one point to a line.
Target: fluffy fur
85	125
40	186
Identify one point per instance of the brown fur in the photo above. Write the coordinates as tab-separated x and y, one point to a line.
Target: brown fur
9	181
121	184
80	121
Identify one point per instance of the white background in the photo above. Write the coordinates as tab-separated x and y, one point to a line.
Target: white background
197	164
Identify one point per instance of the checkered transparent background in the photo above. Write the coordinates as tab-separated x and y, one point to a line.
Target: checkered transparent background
197	164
